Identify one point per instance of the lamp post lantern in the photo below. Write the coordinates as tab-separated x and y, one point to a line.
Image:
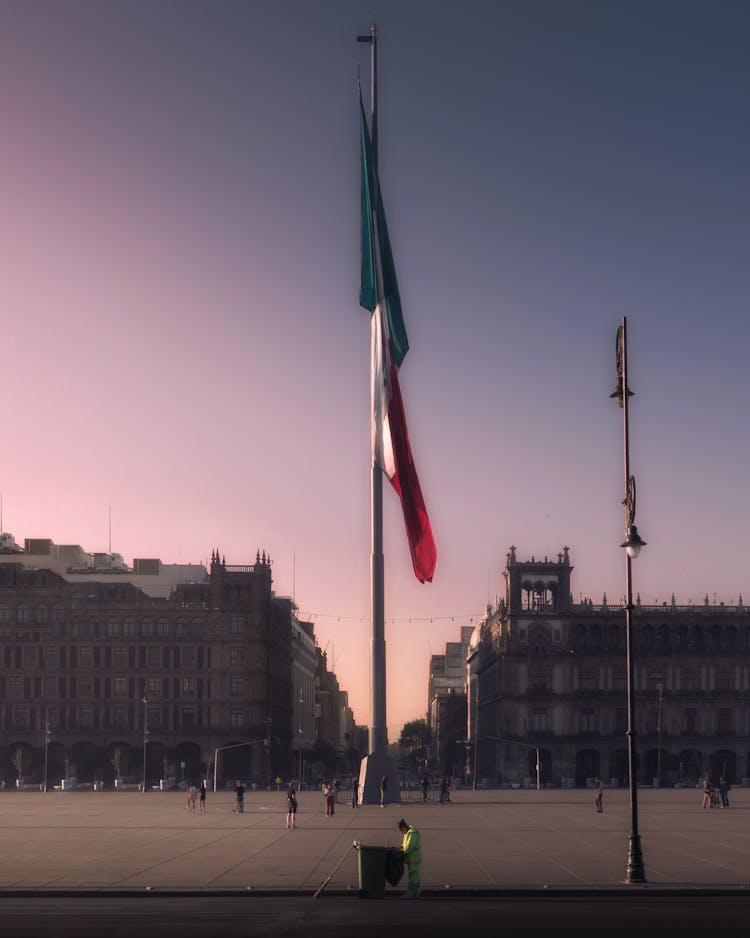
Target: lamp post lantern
635	872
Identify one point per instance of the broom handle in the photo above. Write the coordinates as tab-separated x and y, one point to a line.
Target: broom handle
333	873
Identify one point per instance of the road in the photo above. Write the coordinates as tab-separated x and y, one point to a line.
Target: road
336	916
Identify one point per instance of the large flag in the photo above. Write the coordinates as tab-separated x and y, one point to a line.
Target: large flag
389	344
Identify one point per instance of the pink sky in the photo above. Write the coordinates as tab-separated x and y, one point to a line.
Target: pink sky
181	335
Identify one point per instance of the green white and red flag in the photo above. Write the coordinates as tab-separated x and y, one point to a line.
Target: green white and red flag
389	345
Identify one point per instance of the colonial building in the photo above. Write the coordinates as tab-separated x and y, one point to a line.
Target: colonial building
95	672
547	680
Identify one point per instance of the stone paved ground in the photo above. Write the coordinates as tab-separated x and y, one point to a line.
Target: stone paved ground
484	841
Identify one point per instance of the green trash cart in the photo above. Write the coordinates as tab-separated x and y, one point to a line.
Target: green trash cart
371	863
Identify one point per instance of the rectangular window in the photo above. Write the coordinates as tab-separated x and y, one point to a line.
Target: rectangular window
725	721
113	629
539	680
86	686
147	628
21	718
188	657
691	721
120	686
50	686
154	687
86	656
120	718
237	719
539	721
238	686
119	656
154	718
154	656
188	719
85	718
188	686
162	628
30	656
128	628
237	655
15	686
621	722
52	656
238	624
589	721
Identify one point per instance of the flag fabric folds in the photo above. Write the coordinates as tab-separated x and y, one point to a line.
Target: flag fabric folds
389	345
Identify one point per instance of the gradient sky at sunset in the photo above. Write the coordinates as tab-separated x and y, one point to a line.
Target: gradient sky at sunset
181	335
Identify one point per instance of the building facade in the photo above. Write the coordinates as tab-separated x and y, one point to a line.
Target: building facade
99	677
447	708
548	686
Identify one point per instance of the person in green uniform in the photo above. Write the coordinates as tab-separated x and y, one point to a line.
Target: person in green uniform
412	855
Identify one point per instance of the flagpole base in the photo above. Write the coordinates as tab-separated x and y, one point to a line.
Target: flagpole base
371	770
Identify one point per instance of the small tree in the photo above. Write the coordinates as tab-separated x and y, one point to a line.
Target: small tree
116	761
414	741
17	761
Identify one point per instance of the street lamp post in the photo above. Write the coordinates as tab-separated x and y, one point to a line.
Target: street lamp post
46	749
660	688
301	732
145	740
635	872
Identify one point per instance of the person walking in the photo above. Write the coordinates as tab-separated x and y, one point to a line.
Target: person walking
707	790
239	795
724	791
598	794
202	797
190	796
291	812
425	785
445	790
412	855
383	790
355	790
329	797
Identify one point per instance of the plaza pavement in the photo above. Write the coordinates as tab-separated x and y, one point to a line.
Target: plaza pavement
486	842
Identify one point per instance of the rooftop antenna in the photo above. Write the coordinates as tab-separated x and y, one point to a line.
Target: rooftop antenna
110	529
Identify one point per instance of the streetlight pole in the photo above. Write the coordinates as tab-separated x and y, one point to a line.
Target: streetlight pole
301	732
635	872
145	739
46	748
660	688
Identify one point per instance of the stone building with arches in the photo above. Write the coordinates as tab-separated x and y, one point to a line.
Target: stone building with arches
547	680
96	674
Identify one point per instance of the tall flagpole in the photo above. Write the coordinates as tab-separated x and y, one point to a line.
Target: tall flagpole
377	764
